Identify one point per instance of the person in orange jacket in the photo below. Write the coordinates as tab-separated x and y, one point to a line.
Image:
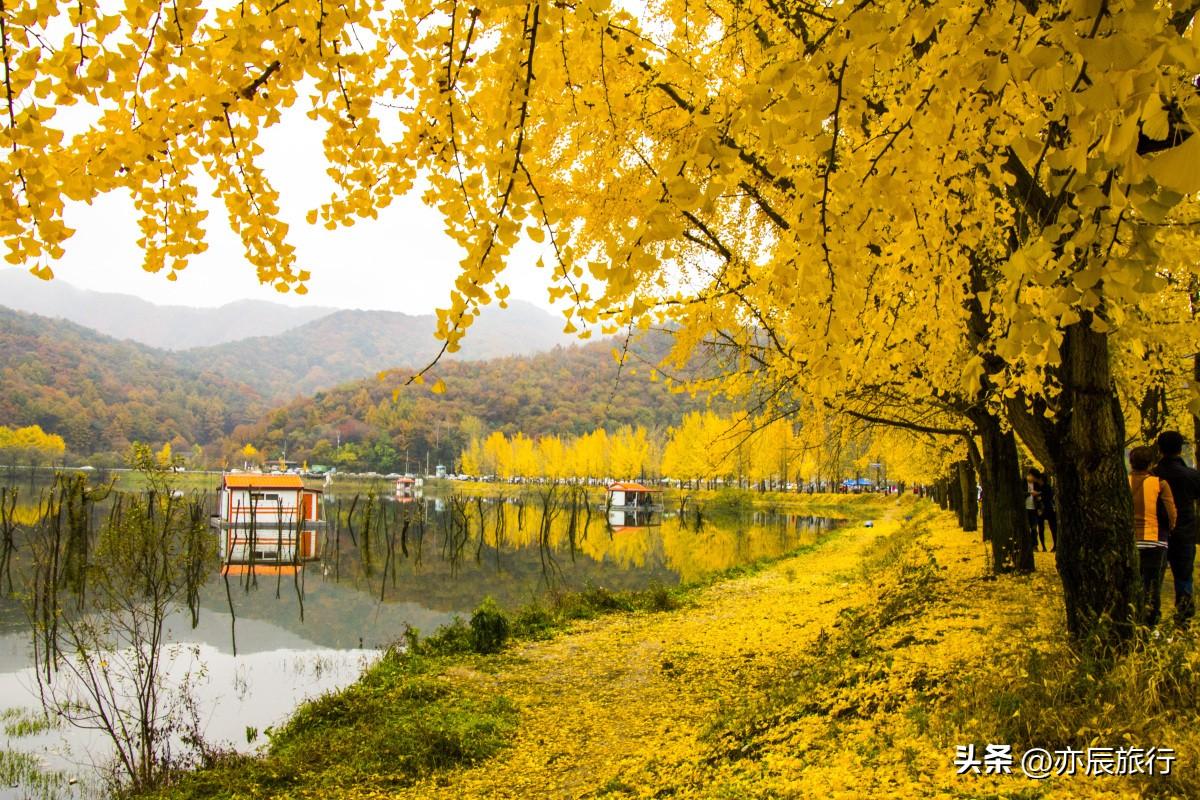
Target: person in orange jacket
1148	493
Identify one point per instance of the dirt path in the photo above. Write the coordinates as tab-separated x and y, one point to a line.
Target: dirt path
622	702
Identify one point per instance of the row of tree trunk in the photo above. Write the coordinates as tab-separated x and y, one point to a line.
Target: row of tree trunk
1082	446
989	487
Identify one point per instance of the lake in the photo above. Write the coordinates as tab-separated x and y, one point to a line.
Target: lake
268	637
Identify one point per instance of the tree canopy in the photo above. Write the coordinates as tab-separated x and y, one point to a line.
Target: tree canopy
922	198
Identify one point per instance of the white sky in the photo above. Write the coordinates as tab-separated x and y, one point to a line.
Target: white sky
400	261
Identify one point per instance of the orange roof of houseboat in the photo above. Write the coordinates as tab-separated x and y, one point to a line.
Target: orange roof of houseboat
253	481
630	487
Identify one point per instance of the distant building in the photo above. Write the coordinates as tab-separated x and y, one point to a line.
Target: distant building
633	496
632	505
267	519
408	488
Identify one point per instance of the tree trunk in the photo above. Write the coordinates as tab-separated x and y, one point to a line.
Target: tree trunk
1154	412
1096	556
954	489
969	515
1004	520
1085	446
1195	418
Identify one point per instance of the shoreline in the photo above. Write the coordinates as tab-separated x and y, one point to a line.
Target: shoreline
856	666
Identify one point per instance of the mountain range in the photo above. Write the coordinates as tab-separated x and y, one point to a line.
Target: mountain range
316	379
172	327
349	344
100	394
281	351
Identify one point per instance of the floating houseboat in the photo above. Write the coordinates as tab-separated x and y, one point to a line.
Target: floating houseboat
267	519
633	496
407	488
632	505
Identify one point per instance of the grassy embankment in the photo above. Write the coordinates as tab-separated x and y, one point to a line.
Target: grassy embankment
850	669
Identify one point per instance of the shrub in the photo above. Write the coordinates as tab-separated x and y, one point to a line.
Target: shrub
450	639
489	627
534	621
659	598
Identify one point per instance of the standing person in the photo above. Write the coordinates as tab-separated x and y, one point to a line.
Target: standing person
1032	498
1048	511
1149	492
1181	548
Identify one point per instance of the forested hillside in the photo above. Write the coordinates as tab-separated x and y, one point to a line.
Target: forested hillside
100	394
373	423
347	345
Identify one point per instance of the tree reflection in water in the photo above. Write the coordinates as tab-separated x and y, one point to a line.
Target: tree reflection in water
372	571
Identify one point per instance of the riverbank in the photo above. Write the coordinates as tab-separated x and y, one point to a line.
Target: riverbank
346	485
854	668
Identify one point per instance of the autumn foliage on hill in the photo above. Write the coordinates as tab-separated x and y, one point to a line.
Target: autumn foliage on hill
347	345
371	423
100	395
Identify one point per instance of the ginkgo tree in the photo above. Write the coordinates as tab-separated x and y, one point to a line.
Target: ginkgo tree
792	180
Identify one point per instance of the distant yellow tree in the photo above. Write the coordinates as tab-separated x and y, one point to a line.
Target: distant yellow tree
31	445
552	455
774	452
588	455
522	454
471	457
497	455
628	450
250	454
700	448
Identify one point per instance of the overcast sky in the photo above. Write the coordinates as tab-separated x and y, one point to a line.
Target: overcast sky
401	261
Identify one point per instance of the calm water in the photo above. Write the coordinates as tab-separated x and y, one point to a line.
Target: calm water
267	641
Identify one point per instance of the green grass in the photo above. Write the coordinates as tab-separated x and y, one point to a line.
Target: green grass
20	722
401	721
24	771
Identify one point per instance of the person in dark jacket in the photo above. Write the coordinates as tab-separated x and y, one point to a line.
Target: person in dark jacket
1047	512
1032	505
1181	546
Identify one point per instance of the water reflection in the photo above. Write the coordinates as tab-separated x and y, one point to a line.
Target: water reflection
270	632
378	565
448	553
